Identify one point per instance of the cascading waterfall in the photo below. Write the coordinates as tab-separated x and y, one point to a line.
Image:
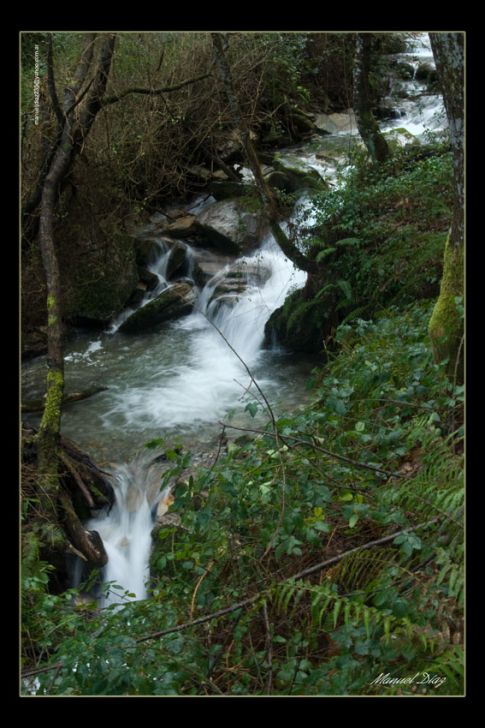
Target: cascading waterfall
201	389
126	532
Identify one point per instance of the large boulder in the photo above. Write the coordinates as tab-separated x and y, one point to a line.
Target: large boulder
173	302
234	226
337	123
294	175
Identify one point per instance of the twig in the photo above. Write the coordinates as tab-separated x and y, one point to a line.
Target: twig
197	586
269	647
268	406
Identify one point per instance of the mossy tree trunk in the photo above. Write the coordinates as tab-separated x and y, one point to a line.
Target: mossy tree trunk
267	197
366	122
446	324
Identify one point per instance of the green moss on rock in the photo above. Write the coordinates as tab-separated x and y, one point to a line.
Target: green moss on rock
170	304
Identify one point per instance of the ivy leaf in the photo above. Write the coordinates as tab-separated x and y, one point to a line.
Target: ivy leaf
252	408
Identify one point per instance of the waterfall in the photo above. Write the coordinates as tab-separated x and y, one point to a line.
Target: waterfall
126	530
201	388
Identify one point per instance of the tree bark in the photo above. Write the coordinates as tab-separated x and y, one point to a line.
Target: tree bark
267	197
446	324
366	123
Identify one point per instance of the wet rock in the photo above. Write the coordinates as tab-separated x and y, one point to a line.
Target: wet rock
207	264
278	180
138	295
404	71
183	227
148	278
386	112
147	250
177	264
173	302
297	175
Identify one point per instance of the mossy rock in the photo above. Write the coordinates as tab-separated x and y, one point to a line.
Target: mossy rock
425	73
299	325
297	175
400	137
172	303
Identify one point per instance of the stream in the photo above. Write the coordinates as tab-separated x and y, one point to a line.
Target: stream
180	380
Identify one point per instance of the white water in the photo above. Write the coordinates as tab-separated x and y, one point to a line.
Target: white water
126	533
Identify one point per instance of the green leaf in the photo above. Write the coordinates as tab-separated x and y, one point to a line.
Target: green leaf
348	496
353	520
324	253
252	408
360	426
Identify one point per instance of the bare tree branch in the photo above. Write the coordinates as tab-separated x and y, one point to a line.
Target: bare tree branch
152	91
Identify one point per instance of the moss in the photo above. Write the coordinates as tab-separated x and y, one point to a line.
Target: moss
249	202
301	324
446	323
53	399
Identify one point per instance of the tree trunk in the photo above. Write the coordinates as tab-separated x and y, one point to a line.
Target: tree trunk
267	197
77	121
446	324
366	123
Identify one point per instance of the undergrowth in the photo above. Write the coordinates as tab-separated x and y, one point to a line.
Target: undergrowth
376	457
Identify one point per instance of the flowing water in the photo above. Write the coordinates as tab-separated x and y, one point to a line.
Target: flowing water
181	380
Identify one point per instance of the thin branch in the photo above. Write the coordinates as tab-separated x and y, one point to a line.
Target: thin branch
152	91
269	648
268	406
